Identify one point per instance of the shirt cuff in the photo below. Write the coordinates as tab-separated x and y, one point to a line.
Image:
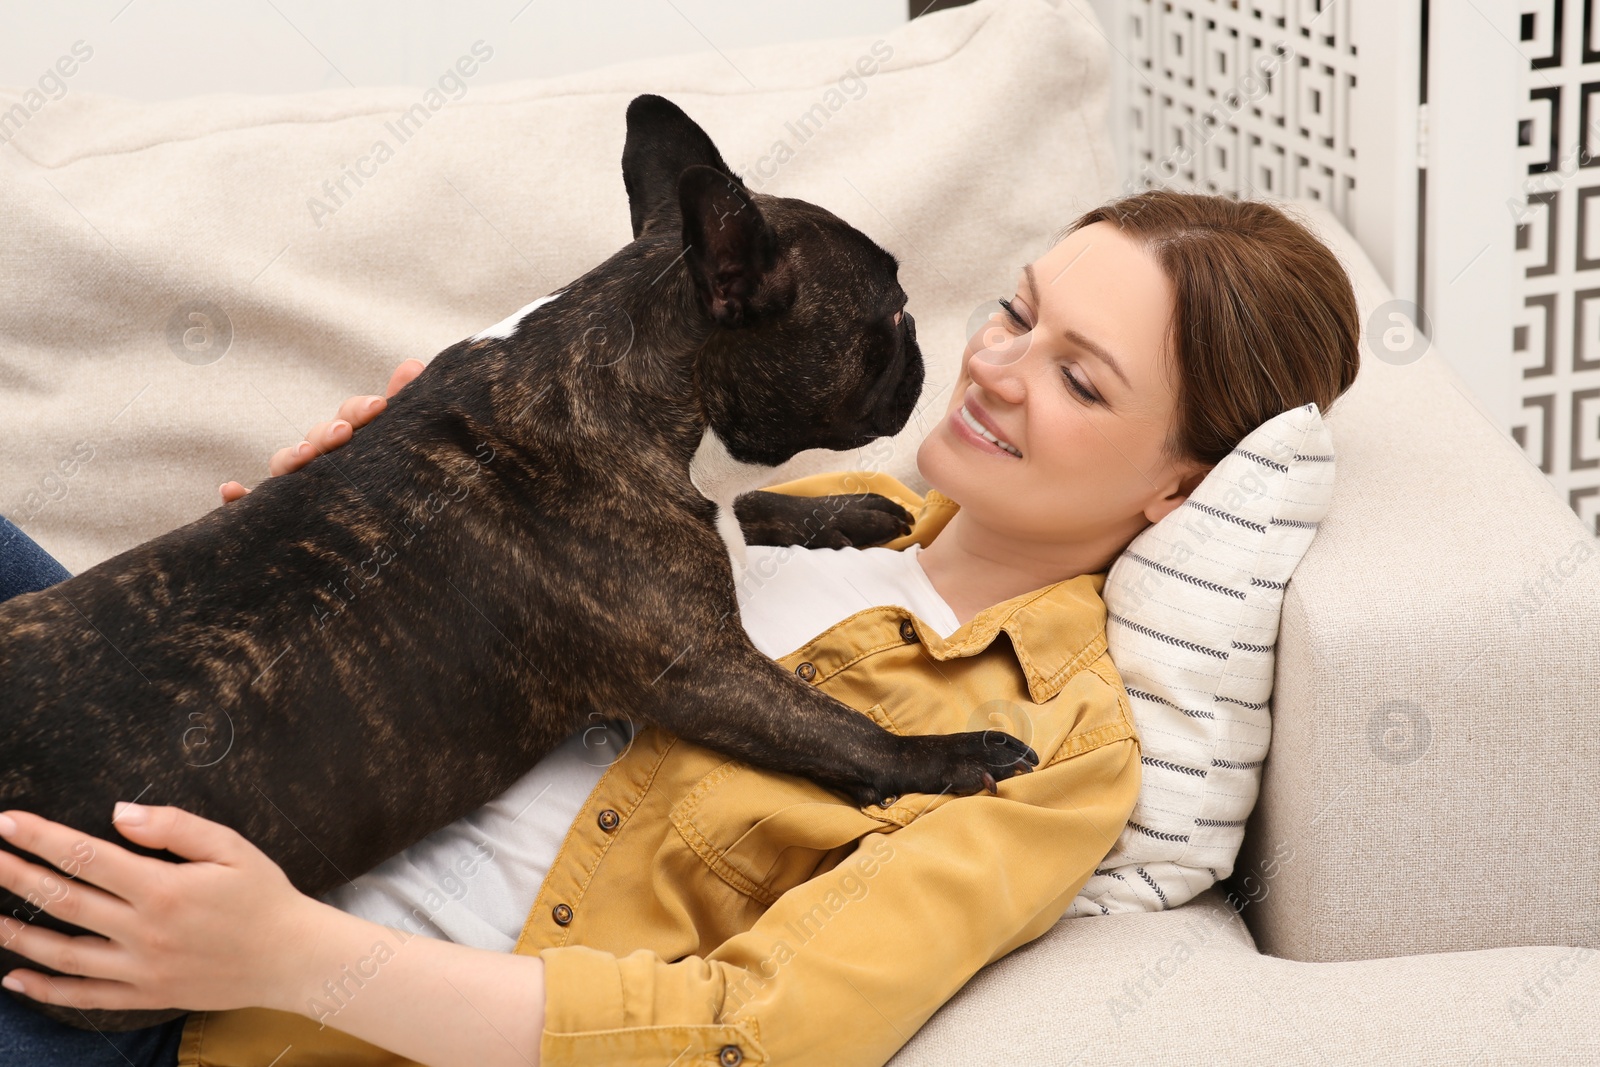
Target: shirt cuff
639	1009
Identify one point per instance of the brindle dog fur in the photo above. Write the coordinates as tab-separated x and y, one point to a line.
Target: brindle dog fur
358	654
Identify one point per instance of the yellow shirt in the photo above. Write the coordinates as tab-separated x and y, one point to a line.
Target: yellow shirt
701	911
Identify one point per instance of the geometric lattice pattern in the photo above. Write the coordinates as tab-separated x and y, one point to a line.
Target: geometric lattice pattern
1556	337
1253	97
1244	98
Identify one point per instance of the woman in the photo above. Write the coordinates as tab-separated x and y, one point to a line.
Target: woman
699	908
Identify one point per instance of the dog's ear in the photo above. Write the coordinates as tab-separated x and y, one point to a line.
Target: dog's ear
728	245
662	143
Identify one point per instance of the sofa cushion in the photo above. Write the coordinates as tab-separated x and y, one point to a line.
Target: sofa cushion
1192	624
188	285
1188	986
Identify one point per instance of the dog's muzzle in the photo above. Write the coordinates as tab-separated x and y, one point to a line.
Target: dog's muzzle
894	395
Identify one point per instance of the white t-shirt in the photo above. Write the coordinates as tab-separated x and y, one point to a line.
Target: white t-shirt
474	881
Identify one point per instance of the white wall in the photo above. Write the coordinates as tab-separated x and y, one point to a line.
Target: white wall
159	49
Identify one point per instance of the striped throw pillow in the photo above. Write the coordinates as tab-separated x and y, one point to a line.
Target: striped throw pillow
1193	606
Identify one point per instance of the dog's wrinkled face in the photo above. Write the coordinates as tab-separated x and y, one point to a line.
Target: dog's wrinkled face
811	345
836	367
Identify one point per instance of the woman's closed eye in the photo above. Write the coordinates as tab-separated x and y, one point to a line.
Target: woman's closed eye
1084	392
1087	395
1011	313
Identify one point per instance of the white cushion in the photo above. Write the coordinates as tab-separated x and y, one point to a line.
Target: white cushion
1192	621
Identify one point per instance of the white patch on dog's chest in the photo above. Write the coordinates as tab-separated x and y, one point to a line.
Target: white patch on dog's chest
507	327
720	478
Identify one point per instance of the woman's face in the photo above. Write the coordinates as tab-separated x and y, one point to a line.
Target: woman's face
1074	381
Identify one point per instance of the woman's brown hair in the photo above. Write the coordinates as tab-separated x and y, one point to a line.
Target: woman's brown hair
1264	316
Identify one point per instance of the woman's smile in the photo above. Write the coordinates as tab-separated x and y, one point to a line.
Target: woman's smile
973	429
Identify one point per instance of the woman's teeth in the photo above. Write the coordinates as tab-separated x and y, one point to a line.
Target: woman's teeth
978	428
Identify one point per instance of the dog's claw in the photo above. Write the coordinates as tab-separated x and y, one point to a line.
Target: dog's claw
963	764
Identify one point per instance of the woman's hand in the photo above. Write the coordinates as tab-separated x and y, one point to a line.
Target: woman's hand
226	930
327	436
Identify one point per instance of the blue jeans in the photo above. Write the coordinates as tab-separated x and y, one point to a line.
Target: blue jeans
26	1037
24	566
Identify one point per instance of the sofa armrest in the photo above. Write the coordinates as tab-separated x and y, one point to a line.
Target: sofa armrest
1436	723
1187	986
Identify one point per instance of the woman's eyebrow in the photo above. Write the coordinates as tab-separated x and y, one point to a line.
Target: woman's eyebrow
1092	347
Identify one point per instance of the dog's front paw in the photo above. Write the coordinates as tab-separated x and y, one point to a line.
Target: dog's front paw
860	520
978	760
959	764
836	520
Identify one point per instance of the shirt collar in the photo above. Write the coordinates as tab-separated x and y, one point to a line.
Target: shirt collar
1054	631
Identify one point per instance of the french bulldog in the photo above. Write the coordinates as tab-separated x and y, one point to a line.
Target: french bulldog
539	532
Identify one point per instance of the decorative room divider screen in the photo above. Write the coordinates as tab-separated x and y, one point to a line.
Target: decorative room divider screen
1454	138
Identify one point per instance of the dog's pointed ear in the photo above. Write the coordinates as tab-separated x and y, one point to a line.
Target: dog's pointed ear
662	143
728	245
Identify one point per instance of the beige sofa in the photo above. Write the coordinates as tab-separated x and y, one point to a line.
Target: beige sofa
1431	805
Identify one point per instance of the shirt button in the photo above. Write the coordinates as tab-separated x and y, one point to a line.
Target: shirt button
609	820
562	914
908	632
806	671
730	1056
